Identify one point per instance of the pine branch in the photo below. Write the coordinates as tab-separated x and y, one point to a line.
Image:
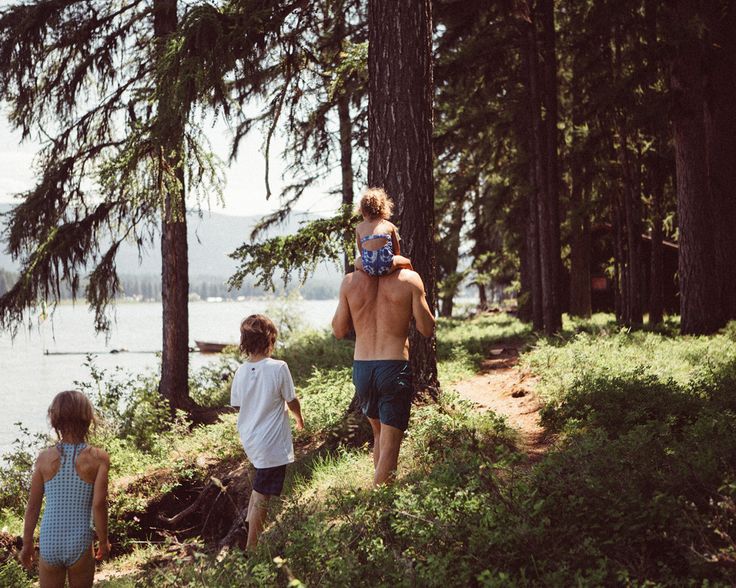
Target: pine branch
293	257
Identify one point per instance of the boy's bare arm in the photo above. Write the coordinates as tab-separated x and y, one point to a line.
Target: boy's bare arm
296	410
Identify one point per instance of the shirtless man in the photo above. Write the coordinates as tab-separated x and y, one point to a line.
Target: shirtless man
380	310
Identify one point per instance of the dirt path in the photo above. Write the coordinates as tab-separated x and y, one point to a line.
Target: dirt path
507	390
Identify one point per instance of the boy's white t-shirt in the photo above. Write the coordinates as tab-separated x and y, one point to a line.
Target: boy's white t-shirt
261	390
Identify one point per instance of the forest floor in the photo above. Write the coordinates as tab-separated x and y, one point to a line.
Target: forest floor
507	389
601	457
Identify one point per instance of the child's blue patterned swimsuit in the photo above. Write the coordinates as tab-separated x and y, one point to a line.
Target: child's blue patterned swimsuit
380	261
66	527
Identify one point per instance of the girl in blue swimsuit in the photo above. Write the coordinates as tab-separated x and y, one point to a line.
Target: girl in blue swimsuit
73	477
377	238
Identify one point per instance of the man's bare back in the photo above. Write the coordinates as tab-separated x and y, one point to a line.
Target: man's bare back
380	311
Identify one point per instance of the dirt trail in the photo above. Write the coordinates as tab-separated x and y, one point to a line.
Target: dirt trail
507	390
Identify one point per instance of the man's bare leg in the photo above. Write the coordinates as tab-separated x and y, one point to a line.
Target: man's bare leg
388	458
376	426
257	510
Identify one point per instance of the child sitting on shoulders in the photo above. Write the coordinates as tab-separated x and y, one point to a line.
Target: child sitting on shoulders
262	388
378	238
73	477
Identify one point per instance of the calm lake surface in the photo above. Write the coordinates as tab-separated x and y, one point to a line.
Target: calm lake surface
29	378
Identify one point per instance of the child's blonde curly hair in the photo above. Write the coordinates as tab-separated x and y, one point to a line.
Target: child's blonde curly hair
375	203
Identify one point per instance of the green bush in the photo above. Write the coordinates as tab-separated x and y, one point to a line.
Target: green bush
12	575
16	469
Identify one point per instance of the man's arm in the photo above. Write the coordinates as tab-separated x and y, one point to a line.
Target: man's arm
423	316
342	322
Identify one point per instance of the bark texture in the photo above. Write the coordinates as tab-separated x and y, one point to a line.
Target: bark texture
720	131
346	168
400	143
697	268
174	383
551	143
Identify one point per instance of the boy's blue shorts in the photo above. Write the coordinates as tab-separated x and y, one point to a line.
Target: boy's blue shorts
384	388
270	481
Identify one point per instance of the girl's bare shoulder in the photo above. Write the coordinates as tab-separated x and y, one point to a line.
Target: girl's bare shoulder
48	456
98	455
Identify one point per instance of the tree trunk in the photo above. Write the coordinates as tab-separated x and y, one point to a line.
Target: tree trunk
400	143
453	246
697	268
657	178
631	196
482	297
656	268
720	137
580	295
346	169
174	385
524	297
546	259
551	164
532	237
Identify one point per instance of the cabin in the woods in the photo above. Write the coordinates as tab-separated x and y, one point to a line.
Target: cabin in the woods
602	286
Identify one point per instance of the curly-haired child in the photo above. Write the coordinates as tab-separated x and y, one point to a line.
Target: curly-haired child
378	238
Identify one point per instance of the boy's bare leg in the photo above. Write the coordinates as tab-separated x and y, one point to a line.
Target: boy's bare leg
257	510
376	426
82	573
390	443
51	576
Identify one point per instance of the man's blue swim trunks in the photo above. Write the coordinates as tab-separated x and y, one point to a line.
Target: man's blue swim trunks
384	388
380	261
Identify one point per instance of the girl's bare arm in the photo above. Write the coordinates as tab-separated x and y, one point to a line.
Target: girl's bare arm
396	242
99	503
33	510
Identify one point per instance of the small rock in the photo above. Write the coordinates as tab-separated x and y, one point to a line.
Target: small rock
518	393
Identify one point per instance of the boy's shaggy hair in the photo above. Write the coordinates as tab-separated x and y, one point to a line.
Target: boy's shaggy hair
257	335
71	413
375	203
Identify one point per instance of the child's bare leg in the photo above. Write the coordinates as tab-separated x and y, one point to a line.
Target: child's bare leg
51	576
257	510
82	573
358	264
401	262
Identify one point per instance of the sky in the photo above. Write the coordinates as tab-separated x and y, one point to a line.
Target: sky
245	190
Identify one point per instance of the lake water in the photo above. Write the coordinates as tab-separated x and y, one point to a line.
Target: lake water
29	378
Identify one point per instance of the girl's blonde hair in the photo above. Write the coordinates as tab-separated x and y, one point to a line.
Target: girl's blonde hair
72	413
375	203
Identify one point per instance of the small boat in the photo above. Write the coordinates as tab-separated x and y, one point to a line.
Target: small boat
209	347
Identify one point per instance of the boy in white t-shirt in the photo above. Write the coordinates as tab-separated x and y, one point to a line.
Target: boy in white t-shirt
263	388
